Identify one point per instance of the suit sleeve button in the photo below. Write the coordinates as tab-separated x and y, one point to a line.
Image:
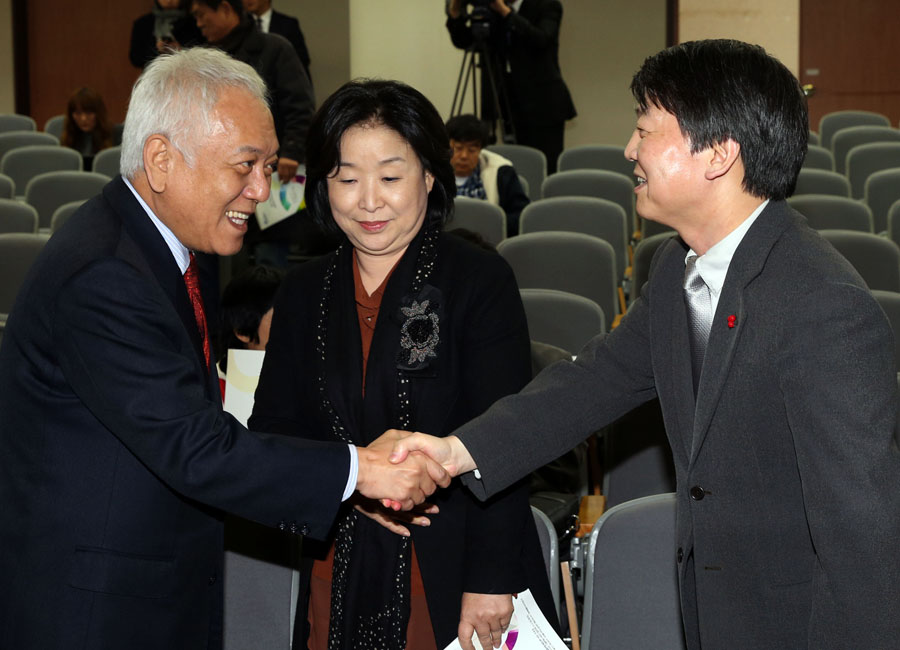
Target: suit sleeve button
680	555
304	530
697	493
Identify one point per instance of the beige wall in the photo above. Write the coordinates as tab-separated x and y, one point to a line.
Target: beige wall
7	89
326	29
601	45
774	24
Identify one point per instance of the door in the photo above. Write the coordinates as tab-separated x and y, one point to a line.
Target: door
848	53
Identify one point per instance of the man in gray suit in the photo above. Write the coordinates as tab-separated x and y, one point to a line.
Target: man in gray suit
772	363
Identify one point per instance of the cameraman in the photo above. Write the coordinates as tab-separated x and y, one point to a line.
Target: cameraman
523	44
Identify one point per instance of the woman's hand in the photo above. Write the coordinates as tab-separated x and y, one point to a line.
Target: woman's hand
487	615
391	519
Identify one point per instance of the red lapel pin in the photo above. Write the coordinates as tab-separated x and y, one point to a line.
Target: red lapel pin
732	319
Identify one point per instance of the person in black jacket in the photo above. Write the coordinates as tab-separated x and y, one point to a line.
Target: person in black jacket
483	174
275	22
226	25
524	46
167	26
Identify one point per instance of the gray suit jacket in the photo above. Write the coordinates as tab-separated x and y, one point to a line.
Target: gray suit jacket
788	474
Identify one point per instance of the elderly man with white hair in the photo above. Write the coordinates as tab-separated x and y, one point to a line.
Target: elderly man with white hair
117	463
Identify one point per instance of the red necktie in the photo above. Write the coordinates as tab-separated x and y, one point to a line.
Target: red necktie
192	282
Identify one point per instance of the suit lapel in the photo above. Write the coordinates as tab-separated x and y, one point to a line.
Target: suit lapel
672	351
748	262
155	258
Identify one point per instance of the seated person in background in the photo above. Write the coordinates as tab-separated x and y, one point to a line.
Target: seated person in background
86	128
483	174
246	311
169	25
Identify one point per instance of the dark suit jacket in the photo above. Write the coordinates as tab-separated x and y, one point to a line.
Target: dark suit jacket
529	42
788	476
483	354
116	460
289	28
292	104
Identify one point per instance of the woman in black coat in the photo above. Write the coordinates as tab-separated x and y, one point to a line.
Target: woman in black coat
403	327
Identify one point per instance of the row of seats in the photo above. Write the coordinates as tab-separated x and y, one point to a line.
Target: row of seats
48	200
25	154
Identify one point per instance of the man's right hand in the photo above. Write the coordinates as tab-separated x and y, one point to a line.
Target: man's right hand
405	483
449	452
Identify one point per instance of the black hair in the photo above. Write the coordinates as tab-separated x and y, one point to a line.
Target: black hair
245	300
468	128
725	89
400	108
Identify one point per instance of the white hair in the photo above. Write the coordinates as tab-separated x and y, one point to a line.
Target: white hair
174	97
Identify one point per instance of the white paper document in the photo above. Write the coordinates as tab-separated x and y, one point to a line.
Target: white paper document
240	382
528	629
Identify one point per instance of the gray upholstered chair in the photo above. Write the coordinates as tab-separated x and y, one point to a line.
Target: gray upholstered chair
818	158
853	136
48	191
562	319
825	212
596	156
16	122
62	214
24	163
106	161
598	183
14	139
831	123
880	191
565	261
643	253
631	595
17	253
598	217
550	551
7	187
54	125
482	217
16	216
890	303
876	259
528	161
821	181
866	159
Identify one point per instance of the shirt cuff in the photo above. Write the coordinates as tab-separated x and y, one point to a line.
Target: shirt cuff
476	473
353	474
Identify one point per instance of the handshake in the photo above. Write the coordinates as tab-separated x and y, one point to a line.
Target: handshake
401	468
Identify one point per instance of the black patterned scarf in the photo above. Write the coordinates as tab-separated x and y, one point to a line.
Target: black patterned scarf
384	624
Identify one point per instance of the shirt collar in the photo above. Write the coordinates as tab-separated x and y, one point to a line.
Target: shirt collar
516	5
179	251
266	20
713	266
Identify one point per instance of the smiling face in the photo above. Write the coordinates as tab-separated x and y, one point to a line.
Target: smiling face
670	177
379	194
207	205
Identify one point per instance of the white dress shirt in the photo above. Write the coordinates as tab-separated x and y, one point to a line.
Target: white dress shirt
713	265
